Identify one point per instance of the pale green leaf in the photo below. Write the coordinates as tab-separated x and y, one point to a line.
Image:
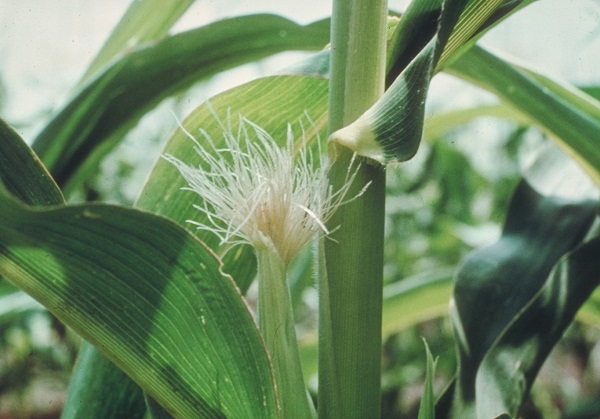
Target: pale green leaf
417	299
476	19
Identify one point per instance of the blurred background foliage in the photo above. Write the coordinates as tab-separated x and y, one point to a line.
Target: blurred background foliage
448	200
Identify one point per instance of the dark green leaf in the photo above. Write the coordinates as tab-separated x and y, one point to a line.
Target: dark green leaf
155	410
140	24
584	409
149	296
415	29
509	369
75	140
496	283
22	173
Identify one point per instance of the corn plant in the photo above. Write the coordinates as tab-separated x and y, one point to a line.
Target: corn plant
257	174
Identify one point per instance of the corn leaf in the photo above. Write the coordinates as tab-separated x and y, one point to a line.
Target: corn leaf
149	296
569	115
508	370
130	283
98	389
139	24
162	194
22	173
499	284
415	300
93	121
89	396
399	112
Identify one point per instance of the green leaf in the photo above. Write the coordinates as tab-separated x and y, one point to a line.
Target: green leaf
89	396
414	30
582	409
427	406
476	19
22	173
93	122
155	411
149	296
581	100
590	312
440	123
98	389
509	369
570	116
139	24
497	283
593	91
290	98
272	103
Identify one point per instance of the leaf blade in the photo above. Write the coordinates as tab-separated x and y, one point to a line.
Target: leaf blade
132	284
508	370
138	25
497	283
568	115
24	175
75	140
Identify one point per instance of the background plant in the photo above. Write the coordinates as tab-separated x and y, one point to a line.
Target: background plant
73	144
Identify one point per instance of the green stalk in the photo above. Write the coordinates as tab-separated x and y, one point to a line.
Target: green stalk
276	322
351	283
